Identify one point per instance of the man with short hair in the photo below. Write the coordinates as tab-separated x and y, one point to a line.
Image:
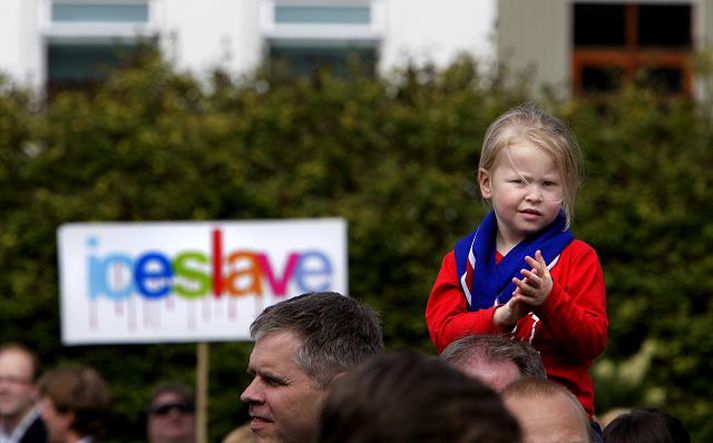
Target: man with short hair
301	345
547	412
19	419
496	360
171	415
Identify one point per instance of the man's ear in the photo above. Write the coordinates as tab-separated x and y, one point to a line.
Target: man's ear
339	375
336	377
484	182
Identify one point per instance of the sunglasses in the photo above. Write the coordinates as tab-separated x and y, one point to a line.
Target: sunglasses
166	409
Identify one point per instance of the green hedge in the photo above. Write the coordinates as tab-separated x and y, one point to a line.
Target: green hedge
396	157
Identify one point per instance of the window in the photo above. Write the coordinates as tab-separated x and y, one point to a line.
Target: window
82	12
86	39
82	66
616	43
302	57
316	14
301	36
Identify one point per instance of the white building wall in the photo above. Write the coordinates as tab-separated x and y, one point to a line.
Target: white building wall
21	49
421	31
203	34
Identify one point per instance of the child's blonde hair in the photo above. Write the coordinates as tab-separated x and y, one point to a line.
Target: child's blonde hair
528	122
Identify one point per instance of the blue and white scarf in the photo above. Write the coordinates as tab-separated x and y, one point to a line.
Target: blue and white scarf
489	284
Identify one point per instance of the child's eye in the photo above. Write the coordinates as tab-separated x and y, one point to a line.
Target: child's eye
548	183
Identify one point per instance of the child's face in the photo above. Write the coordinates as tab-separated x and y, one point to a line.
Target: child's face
525	189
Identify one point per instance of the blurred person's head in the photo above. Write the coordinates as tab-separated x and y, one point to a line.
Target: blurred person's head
74	403
547	412
646	425
610	415
18	376
171	415
301	345
406	397
496	360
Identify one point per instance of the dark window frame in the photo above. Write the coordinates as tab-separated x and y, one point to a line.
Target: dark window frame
632	57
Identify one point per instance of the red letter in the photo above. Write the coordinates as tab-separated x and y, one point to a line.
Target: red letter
278	287
217	263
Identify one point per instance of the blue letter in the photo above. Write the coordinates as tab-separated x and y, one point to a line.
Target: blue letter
313	272
121	266
153	275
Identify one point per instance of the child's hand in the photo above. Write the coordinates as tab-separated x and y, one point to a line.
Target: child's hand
534	289
508	314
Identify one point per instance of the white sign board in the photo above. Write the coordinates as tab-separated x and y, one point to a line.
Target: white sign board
190	282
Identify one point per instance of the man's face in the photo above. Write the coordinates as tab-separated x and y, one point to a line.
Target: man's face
551	419
283	404
171	419
16	386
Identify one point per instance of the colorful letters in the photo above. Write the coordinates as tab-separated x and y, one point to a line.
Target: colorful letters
194	274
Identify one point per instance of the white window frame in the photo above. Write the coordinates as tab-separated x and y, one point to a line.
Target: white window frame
99	31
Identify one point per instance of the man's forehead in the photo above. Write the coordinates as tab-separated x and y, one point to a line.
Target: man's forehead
487	361
15	361
276	349
168	396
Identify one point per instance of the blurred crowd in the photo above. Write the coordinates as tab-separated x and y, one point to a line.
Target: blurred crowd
320	374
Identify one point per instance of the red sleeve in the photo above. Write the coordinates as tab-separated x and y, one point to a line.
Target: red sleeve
447	315
576	307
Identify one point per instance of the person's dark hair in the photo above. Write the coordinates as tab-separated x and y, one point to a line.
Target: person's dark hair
82	391
405	397
31	355
181	390
496	347
646	425
338	332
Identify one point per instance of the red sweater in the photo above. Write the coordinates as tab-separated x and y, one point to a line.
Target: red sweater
572	327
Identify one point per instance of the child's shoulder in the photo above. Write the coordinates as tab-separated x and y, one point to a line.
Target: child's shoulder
578	248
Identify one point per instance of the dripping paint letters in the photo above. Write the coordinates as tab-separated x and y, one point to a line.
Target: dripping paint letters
181	281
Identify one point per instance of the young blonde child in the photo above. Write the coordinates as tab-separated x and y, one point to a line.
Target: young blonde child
521	271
